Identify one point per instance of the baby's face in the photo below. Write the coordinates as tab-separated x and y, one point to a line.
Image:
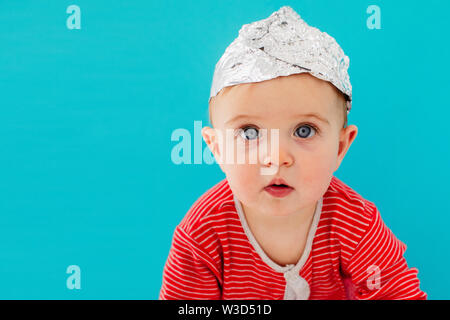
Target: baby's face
312	142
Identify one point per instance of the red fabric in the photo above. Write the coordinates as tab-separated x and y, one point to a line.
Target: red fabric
354	255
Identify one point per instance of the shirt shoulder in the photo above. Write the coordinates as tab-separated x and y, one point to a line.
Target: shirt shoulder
346	214
210	223
210	214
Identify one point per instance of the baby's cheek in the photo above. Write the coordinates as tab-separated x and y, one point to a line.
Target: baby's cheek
244	179
316	170
245	175
319	166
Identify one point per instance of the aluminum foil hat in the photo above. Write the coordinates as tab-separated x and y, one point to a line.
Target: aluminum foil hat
281	45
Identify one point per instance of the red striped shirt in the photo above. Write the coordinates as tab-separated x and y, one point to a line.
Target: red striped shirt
353	255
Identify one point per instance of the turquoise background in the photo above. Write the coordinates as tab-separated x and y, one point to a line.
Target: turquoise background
86	118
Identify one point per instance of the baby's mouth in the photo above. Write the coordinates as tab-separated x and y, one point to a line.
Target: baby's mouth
278	191
278	188
278	183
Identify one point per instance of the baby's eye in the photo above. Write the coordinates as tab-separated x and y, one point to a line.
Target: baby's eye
304	131
248	133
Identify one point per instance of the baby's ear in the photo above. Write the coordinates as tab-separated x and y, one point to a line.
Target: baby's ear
210	136
346	139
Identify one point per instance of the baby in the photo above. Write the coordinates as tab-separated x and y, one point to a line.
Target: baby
282	226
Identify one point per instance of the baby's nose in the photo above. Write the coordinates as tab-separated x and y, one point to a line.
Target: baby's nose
278	155
273	161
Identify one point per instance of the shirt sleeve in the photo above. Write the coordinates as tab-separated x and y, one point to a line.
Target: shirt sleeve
378	269
189	272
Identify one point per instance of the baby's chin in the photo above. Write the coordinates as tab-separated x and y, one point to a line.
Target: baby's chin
283	209
273	206
292	204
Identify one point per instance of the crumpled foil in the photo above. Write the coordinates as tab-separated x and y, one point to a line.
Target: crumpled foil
281	45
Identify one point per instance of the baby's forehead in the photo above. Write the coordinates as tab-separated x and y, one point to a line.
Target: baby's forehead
300	91
279	100
234	106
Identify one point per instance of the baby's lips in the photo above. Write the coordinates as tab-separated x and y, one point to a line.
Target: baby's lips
278	181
